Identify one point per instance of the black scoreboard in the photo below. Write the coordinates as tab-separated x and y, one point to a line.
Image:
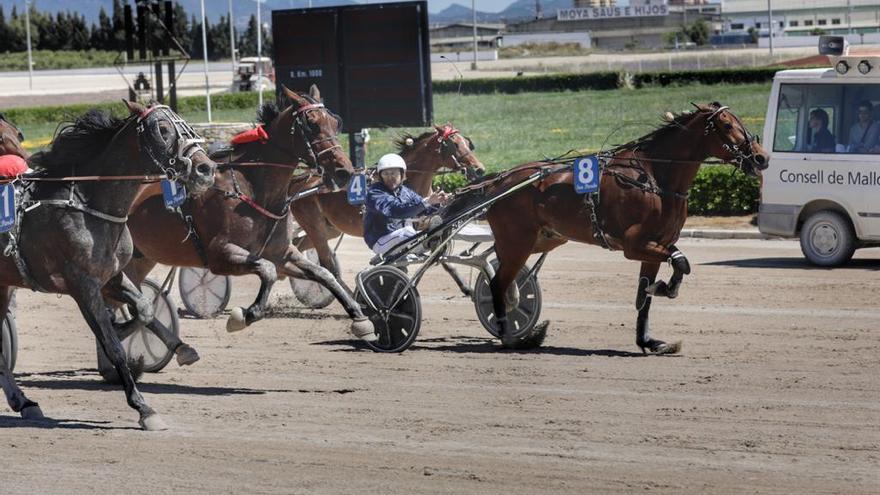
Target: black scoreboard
371	62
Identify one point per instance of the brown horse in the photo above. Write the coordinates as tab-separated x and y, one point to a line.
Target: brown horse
242	225
325	216
640	210
11	138
71	237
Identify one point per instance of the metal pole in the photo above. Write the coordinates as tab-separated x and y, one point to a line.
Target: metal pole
259	54
232	39
27	23
770	18
205	56
474	12
849	16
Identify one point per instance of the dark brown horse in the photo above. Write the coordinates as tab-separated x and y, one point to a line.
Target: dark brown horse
325	216
11	138
242	225
71	236
640	210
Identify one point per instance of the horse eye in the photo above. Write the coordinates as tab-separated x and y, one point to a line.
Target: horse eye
20	136
728	126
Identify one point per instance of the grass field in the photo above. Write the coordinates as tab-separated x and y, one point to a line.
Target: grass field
512	129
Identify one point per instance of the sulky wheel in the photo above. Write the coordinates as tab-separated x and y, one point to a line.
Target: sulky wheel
310	293
397	326
143	342
523	318
9	340
204	294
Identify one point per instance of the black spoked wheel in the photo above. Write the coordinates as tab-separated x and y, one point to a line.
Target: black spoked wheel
310	293
9	340
204	294
398	313
143	343
522	319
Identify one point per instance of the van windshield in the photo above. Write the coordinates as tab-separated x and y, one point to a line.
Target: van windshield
828	118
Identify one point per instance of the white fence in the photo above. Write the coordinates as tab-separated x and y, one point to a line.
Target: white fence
582	39
796	41
464	56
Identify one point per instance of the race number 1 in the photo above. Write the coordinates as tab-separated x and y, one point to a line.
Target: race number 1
357	189
173	193
586	174
7	211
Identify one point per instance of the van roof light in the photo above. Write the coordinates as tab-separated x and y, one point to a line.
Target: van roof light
833	45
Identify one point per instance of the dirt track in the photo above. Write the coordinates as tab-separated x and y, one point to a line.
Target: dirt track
776	391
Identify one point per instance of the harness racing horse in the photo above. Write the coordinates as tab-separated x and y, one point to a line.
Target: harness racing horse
71	237
640	209
324	216
242	225
11	138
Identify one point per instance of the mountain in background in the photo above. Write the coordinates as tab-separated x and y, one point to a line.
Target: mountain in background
519	10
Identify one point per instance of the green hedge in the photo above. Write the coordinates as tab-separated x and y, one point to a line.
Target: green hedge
57	59
554	82
723	190
604	80
713	76
717	191
61	113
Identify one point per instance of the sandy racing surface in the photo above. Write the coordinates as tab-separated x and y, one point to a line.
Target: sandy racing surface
776	391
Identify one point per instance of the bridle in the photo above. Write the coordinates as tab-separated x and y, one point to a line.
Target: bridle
444	138
188	141
743	151
300	126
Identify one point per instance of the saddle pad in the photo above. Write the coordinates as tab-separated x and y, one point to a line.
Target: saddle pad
12	165
249	136
475	233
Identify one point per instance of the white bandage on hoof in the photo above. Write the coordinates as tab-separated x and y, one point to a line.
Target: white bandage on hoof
236	320
363	329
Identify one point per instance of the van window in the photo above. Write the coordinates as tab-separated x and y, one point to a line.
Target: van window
839	103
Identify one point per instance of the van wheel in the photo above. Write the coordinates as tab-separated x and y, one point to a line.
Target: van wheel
827	239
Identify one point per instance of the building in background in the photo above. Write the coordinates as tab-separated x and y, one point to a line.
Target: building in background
803	17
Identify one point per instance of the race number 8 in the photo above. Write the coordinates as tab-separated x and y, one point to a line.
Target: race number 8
586	174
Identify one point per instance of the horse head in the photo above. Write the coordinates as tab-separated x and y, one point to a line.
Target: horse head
11	138
314	131
457	151
732	141
173	146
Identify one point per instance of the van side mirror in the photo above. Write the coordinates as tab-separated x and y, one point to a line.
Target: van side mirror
833	45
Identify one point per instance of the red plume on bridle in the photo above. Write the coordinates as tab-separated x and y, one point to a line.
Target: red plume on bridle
445	132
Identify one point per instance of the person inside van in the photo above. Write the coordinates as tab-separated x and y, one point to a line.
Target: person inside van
820	139
863	135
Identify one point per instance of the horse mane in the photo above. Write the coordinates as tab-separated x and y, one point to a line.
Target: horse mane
270	111
400	141
678	121
78	142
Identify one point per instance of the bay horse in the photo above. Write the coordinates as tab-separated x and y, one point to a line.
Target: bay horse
242	226
324	216
70	236
11	138
640	210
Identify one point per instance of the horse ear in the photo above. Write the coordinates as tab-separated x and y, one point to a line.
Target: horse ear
314	92
668	117
717	104
291	95
134	107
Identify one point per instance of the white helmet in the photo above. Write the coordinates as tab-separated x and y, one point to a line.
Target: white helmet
391	160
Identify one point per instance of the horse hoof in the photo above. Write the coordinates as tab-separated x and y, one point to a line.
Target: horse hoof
661	347
363	329
32	413
657	289
186	355
236	320
153	422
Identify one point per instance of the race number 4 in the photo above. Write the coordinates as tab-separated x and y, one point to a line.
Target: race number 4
7	212
586	174
173	193
357	189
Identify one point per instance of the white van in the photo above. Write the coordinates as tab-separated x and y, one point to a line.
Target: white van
823	181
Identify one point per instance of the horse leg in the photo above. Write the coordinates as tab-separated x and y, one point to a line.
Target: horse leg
680	268
511	258
647	275
14	396
309	216
138	268
123	290
87	294
456	277
297	265
244	262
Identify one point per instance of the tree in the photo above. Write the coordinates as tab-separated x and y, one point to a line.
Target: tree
102	35
698	32
117	41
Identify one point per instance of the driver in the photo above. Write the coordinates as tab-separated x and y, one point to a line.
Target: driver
390	205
